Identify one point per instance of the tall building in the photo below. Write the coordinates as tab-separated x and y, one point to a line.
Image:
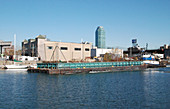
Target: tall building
100	37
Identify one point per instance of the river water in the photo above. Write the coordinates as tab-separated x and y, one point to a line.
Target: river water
139	89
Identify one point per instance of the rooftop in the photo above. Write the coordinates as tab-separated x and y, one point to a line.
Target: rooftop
41	36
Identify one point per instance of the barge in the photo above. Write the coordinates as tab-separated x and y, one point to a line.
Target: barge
71	68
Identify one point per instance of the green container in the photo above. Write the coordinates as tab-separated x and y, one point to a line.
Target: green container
87	65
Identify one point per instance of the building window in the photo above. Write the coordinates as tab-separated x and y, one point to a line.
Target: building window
77	49
50	47
63	48
86	49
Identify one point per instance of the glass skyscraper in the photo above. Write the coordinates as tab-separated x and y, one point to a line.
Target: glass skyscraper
100	37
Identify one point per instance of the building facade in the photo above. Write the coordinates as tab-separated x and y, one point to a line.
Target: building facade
32	47
100	37
4	45
55	51
98	52
167	52
66	51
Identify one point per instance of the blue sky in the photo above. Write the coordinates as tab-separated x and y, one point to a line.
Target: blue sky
71	20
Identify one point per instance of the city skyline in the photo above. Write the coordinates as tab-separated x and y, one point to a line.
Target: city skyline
70	21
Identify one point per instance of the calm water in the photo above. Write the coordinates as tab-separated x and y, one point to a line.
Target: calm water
142	89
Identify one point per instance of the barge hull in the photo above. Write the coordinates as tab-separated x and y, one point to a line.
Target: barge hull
86	70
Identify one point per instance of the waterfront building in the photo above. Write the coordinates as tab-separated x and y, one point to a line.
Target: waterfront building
167	52
9	51
48	50
100	37
99	52
137	51
4	45
32	47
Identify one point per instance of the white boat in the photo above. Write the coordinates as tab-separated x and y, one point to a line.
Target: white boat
167	65
33	66
98	71
150	59
16	66
151	62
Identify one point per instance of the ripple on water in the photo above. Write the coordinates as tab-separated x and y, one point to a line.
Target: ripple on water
142	89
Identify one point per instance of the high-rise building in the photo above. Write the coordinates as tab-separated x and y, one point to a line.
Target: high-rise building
100	37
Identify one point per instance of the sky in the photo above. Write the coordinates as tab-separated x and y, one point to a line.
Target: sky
148	21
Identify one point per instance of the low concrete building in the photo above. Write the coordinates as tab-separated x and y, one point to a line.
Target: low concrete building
66	51
98	52
55	51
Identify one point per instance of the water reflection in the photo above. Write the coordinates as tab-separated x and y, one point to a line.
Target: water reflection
155	88
142	89
14	71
